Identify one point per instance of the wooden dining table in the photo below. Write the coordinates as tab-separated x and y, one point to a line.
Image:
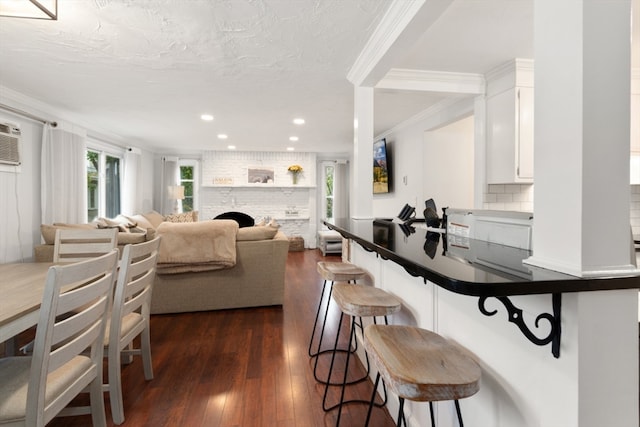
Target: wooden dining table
21	291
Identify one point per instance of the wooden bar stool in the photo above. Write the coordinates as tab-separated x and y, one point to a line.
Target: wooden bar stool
331	272
357	301
420	365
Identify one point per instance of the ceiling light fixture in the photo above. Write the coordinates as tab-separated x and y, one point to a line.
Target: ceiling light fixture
32	9
222	136
231	147
290	148
298	121
206	117
293	138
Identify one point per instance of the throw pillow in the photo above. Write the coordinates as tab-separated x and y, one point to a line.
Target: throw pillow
120	222
154	218
180	217
140	221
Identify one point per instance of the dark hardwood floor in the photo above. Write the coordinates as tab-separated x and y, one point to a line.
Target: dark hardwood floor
244	367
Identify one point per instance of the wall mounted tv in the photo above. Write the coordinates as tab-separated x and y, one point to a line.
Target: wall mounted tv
381	175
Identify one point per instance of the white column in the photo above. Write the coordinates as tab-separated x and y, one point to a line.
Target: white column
362	183
582	227
582	86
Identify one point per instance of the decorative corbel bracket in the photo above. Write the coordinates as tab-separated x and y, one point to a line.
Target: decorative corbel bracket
515	316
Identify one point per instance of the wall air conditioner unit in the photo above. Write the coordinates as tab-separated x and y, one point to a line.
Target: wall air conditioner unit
9	144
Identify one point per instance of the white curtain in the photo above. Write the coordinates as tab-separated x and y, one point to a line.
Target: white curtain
132	182
64	174
341	190
170	178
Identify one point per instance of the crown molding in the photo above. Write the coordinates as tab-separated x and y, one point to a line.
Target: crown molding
433	81
393	23
440	114
513	67
64	118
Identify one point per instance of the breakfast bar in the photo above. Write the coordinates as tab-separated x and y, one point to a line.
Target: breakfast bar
475	268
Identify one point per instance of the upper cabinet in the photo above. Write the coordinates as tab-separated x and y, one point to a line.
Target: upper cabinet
510	123
510	136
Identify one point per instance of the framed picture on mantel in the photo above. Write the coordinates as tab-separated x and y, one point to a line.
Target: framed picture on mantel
260	175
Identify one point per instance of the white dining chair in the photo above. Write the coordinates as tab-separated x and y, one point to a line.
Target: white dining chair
130	318
74	245
78	244
72	320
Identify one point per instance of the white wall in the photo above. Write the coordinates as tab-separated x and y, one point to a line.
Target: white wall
20	195
448	165
423	155
20	216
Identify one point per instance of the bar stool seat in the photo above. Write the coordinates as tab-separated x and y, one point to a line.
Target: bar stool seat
331	272
340	271
420	365
357	301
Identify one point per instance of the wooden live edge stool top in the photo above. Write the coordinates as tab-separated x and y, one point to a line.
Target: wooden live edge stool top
421	365
364	301
340	271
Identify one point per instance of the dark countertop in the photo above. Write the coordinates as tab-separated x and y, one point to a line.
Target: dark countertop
467	266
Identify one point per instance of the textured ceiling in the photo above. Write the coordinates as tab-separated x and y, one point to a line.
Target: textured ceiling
142	71
146	70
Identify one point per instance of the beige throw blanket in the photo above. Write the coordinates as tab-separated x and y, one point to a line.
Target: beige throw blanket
196	246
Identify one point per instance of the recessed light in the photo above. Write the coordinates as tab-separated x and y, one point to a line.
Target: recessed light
231	147
222	136
290	148
298	121
206	117
293	138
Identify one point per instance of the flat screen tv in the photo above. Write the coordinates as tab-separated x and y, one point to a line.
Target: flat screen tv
380	167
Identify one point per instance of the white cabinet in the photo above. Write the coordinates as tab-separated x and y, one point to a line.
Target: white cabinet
510	136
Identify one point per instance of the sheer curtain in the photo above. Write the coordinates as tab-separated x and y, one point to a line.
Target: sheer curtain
64	174
132	182
170	178
341	190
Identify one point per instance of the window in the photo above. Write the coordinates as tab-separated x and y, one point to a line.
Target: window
188	179
103	184
328	174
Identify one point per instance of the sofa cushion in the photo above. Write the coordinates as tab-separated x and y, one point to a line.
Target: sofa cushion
154	218
131	238
256	233
49	231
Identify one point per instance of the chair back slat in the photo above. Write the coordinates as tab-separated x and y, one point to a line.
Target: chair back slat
135	280
73	245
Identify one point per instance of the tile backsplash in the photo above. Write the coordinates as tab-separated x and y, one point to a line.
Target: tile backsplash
634	209
509	197
519	197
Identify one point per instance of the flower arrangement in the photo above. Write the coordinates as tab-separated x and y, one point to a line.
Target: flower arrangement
295	170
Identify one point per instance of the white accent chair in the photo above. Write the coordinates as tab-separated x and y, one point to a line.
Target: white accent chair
73	318
130	318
